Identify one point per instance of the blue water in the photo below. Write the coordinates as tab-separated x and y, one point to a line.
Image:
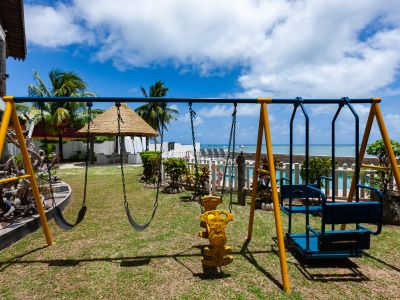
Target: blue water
278	177
316	149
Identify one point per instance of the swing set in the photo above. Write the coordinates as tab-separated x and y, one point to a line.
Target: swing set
311	244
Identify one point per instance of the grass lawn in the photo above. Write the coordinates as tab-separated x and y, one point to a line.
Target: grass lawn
105	258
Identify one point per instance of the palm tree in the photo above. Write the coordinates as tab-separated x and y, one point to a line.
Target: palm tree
156	114
59	115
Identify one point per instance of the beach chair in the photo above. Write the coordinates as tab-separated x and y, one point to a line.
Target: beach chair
222	153
209	153
203	153
215	152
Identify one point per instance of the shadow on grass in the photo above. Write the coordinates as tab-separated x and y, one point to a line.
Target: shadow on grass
137	261
307	266
244	251
381	261
188	198
16	259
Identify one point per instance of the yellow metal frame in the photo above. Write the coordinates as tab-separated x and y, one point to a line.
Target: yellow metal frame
10	114
263	127
375	112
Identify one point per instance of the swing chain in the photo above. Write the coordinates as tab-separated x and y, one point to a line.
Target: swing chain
230	158
196	167
46	154
119	118
89	105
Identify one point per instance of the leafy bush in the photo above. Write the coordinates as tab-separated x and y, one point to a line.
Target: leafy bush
204	176
175	168
385	177
49	148
19	161
318	167
264	189
102	139
78	156
188	177
151	164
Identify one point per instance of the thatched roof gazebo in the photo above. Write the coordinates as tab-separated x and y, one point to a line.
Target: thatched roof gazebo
131	123
106	124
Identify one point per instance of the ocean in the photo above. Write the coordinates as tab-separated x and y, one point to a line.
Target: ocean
342	150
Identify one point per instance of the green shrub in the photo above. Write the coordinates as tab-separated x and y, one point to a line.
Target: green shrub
384	178
175	168
318	167
19	161
102	139
49	149
151	164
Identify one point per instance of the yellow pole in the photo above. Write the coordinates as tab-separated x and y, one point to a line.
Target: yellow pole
278	222
255	177
29	170
4	126
386	141
363	148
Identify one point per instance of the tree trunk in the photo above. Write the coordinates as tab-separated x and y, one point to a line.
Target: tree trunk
60	147
155	144
147	143
391	208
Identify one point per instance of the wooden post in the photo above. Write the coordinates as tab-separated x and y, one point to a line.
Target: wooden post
241	183
2	62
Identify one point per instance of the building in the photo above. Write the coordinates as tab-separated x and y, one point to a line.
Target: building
12	36
12	39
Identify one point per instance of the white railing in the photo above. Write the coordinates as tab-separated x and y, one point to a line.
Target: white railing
343	176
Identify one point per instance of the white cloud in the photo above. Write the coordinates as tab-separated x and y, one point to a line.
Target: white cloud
216	111
221	110
393	122
307	48
174	106
53	26
185	119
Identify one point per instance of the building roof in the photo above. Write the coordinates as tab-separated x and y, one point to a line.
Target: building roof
12	19
131	124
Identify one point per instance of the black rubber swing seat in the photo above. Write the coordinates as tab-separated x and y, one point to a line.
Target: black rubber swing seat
63	223
134	224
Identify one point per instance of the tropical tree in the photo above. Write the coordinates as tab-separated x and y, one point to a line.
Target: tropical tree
378	149
59	115
156	114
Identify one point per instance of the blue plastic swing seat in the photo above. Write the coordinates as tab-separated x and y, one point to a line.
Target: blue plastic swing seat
301	209
360	241
299	191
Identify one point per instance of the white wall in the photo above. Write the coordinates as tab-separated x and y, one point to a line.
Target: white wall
107	147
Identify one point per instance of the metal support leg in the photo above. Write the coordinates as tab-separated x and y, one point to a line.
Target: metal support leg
255	177
29	169
277	213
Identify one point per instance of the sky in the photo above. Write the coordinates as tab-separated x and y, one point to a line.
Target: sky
224	48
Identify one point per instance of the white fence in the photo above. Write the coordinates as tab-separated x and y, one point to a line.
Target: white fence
343	176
